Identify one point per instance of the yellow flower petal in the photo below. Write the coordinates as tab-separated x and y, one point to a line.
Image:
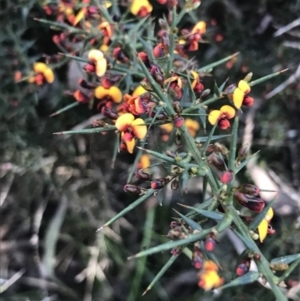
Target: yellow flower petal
167	127
136	6
130	145
104	48
79	16
139	128
95	55
40	67
209	280
269	215
228	110
200	27
144	161
214	116
244	86
101	66
49	75
115	94
195	78
238	97
210	265
124	121
192	126
139	90
263	230
101	92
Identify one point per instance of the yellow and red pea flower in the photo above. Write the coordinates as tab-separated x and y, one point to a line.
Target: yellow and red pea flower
222	116
144	161
135	104
175	85
196	84
81	97
107	32
43	74
141	8
130	129
112	93
139	90
97	62
239	94
209	277
264	225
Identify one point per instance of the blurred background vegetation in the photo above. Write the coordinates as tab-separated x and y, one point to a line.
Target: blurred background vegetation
55	191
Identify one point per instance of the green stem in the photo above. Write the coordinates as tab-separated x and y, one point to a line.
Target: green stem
142	262
172	42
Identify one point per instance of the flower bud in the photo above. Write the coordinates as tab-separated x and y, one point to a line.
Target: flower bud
248	77
197	258
86	85
170	154
248	101
253	203
210	244
141	174
90	68
242	269
158	183
216	160
243	152
81	97
176	251
226	177
108	113
249	189
230	89
222	149
177	107
158	51
144	57
163	24
132	189
205	93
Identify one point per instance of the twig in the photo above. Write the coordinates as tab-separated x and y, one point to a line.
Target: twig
282	86
287	27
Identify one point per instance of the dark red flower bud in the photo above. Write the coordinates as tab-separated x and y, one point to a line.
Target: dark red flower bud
178	121
90	68
197	258
86	85
158	183
210	244
226	177
224	124
253	203
132	189
109	113
248	101
198	88
144	57
242	269
158	51
106	83
81	97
